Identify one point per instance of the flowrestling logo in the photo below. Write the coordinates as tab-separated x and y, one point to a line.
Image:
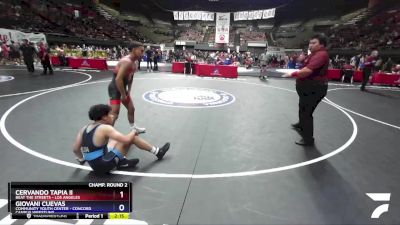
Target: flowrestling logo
189	97
380	197
6	78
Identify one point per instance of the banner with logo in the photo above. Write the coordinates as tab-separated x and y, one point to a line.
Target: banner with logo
246	15
193	15
204	16
222	28
7	35
259	14
254	15
251	15
270	13
241	16
211	16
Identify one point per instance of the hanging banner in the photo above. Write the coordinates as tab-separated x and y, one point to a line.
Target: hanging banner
198	15
235	16
265	14
251	15
222	28
259	14
193	15
204	16
246	15
269	13
211	16
272	13
241	15
7	35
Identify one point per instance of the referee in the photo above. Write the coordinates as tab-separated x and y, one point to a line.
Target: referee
311	86
369	66
29	52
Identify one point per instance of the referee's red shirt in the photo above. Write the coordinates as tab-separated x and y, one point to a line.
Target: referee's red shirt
318	62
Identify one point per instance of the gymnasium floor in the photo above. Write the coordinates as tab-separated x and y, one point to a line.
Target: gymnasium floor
232	162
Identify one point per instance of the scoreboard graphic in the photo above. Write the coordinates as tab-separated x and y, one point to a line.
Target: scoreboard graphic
29	200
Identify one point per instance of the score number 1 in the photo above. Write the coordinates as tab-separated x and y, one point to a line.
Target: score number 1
121	205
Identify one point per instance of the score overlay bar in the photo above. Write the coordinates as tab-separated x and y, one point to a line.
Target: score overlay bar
89	200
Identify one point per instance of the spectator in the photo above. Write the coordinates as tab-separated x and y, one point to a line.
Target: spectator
149	59
369	66
28	51
15	54
156	57
44	55
5	53
388	66
396	70
300	61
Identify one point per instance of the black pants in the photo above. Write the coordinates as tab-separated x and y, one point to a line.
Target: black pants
310	95
63	61
47	65
348	74
187	67
366	73
155	65
149	61
192	65
29	65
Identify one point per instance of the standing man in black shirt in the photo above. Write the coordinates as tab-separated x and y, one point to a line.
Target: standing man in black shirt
28	51
156	57
149	55
311	86
369	66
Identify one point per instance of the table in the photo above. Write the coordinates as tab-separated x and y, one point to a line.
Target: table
358	76
178	67
386	79
217	70
334	74
76	63
55	60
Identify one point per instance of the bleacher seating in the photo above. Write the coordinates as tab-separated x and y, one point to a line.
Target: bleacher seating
59	17
382	31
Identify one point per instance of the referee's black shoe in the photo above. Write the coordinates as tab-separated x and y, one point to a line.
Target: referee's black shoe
297	127
303	142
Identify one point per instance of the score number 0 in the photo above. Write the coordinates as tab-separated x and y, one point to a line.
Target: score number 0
121	207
